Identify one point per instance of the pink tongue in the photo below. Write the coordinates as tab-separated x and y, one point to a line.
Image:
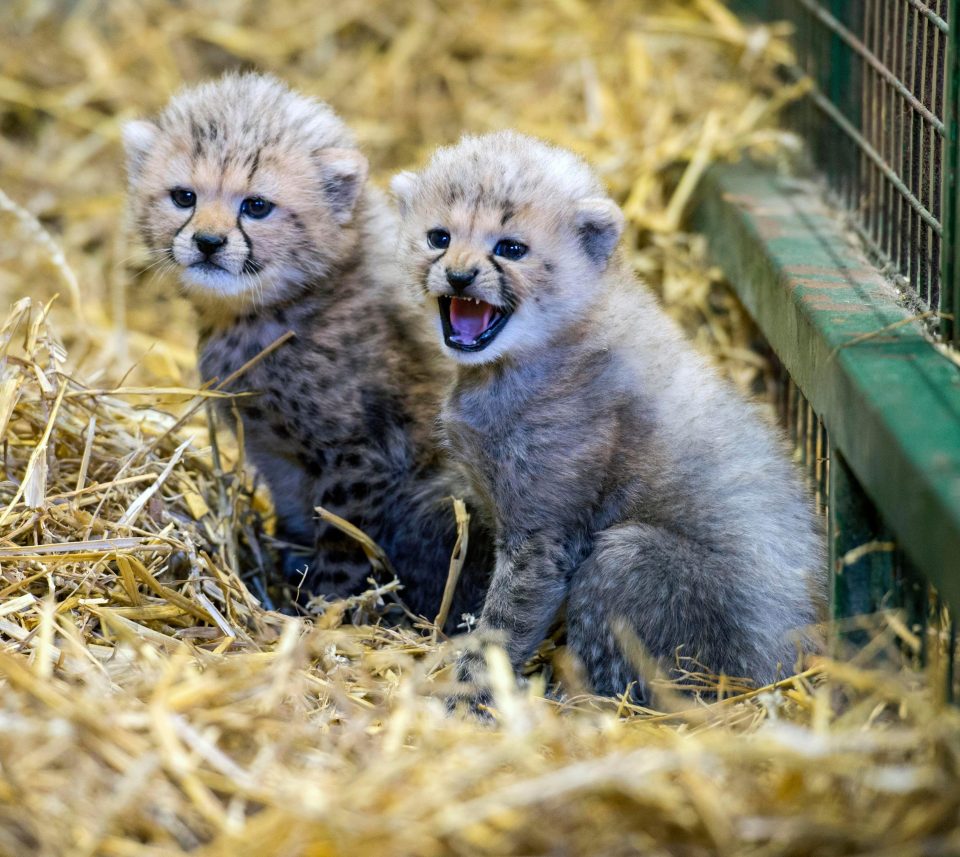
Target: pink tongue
469	319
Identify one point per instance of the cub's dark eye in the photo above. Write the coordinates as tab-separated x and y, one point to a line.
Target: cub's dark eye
510	249
183	197
439	239
255	207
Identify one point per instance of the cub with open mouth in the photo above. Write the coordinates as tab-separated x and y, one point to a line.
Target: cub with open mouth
496	291
626	480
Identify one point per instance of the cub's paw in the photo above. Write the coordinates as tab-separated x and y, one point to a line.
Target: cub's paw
473	702
472	697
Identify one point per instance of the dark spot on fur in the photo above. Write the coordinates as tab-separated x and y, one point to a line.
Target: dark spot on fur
383	410
360	490
254	166
454	193
297	221
336	496
314	461
196	134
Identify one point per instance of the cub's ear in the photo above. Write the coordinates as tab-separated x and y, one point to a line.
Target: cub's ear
403	186
598	222
343	172
139	136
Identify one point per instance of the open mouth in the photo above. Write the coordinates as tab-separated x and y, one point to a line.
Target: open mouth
470	324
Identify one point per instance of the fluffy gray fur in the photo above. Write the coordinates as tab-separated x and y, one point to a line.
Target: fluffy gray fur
625	478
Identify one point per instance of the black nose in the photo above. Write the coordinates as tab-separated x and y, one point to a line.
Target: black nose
461	279
208	244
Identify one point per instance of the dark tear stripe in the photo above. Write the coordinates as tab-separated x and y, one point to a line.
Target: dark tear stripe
183	226
510	299
246	240
425	287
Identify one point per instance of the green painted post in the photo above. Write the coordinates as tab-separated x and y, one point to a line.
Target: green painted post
861	553
950	671
759	10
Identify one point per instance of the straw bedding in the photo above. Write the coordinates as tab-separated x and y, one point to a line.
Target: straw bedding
151	703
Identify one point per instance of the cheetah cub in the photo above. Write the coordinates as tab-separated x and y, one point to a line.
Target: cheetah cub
625	479
258	196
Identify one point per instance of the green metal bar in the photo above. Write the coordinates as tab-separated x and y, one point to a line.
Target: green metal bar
860	559
889	399
950	252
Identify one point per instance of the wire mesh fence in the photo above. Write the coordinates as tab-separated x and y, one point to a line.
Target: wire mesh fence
880	126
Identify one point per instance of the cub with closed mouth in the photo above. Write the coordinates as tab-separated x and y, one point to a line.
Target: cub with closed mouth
627	482
257	197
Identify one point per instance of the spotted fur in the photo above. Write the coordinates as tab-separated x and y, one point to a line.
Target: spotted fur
344	413
626	480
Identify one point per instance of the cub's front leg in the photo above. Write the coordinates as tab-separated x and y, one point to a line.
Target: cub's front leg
528	587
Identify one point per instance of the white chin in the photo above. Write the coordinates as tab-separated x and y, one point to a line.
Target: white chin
216	282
